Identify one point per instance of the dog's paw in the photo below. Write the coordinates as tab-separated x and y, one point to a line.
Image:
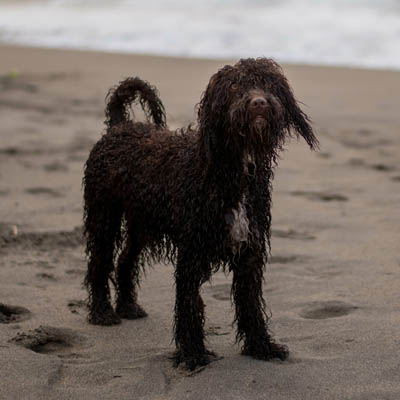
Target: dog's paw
192	362
130	311
267	351
104	317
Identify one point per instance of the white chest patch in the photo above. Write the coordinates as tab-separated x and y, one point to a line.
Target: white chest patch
237	218
239	231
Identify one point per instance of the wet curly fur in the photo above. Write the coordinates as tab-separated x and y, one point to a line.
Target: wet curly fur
200	199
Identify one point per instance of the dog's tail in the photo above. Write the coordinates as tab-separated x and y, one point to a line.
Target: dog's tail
130	91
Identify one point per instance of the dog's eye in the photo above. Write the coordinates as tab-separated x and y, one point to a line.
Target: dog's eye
234	87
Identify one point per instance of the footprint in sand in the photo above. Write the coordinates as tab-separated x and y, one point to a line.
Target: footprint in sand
325	155
383	167
362	139
286	259
75	272
320	196
328	272
46	276
42	264
43	191
76	305
10	151
10	314
359	162
327	309
356	162
365	132
55	166
221	292
17	83
44	240
62	76
291	234
215	331
49	340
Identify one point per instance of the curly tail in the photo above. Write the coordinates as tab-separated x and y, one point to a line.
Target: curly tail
133	90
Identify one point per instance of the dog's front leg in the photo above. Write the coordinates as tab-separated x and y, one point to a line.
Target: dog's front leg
249	306
189	312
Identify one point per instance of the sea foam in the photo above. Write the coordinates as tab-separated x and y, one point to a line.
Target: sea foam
364	33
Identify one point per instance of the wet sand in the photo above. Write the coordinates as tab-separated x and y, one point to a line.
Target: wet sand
332	284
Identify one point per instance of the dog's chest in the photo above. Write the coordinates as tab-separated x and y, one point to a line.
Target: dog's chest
238	226
237	218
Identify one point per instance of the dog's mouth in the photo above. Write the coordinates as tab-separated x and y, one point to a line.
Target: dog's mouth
259	123
259	119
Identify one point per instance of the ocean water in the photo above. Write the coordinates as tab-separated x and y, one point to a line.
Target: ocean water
360	33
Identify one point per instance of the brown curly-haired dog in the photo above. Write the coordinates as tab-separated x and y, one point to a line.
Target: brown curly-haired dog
198	198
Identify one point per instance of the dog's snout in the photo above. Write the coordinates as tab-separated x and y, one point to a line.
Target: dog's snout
258	102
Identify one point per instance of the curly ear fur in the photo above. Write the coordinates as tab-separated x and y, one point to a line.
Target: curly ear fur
295	118
212	110
213	113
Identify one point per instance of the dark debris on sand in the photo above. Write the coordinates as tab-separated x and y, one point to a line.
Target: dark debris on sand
10	314
10	238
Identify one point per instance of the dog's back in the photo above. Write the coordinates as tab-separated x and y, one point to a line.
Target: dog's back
136	168
112	161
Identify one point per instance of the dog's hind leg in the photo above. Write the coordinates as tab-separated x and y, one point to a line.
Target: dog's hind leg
190	273
102	230
127	281
249	306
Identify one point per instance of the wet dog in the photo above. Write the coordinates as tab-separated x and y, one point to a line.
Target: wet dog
199	198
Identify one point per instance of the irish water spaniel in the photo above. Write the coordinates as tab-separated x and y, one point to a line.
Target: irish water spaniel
199	198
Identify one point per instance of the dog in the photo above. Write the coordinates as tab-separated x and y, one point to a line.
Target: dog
199	198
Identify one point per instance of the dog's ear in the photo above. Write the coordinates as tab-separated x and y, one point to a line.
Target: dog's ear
212	111
295	118
206	124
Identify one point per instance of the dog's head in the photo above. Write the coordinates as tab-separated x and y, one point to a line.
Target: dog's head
250	106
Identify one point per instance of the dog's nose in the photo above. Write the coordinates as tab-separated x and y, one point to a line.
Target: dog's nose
258	102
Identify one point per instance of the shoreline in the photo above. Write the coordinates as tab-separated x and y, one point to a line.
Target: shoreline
194	58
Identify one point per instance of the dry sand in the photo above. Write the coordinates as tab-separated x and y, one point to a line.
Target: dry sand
333	284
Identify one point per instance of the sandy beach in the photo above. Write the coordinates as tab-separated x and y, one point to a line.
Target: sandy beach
333	284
